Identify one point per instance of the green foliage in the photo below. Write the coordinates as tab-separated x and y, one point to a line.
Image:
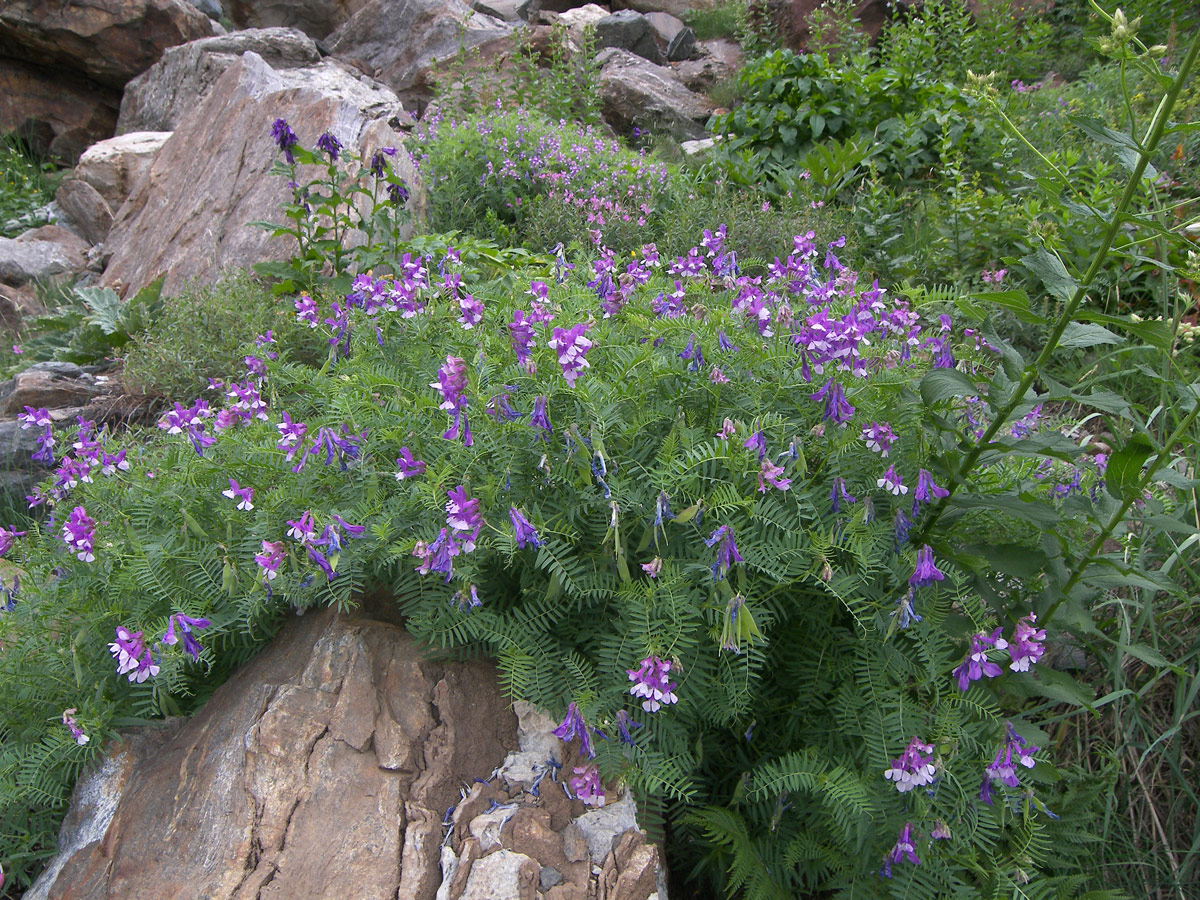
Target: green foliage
25	185
203	333
726	20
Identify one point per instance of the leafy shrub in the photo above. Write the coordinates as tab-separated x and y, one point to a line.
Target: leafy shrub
488	172
203	333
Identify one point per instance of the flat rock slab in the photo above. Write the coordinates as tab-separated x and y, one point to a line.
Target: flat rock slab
188	219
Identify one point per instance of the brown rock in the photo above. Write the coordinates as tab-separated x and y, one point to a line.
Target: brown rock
16	304
314	17
162	96
108	41
791	19
114	166
58	114
718	60
637	865
400	42
529	832
636	93
52	385
665	26
88	214
502	875
189	218
256	796
575	846
568	892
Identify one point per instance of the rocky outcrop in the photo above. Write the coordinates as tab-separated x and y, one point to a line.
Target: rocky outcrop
107	41
188	219
677	8
53	385
635	93
160	98
316	18
58	114
342	762
715	61
400	42
791	19
113	167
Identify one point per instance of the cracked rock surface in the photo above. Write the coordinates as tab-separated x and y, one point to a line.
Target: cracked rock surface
323	768
343	763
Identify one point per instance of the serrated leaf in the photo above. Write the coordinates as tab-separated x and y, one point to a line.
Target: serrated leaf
1097	130
1016	302
1080	334
1125	467
1052	273
1146	654
1033	511
945	384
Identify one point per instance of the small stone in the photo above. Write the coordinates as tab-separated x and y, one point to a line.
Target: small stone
575	846
549	878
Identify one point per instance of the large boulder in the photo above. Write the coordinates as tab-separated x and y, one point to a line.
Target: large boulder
334	765
401	42
635	93
40	254
791	19
114	166
56	113
159	98
189	218
108	41
629	30
314	17
84	211
677	8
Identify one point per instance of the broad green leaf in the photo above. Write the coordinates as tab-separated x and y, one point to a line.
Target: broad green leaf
944	384
1156	334
1146	654
1078	334
1033	511
1052	273
1125	467
1096	129
1016	302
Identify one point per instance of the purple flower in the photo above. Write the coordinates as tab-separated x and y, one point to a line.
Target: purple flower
624	723
526	533
111	464
397	192
1002	769
329	144
839	493
727	552
521	334
79	532
724	343
68	719
408	467
914	768
304	529
651	683
7	537
905	610
653	568
694	354
892	482
837	409
571	346
291	435
903	849
501	410
926	489
438	556
462	514
769	474
539	419
975	664
307	311
341	446
757	442
452	382
587	787
572	727
132	656
470	311
926	572
270	558
244	496
186	623
716	376
879	437
1026	647
284	138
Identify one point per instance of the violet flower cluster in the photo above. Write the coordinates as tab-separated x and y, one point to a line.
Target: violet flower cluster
651	682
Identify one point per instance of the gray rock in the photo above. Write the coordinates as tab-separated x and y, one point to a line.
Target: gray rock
602	827
211	8
507	10
400	42
317	18
665	26
629	30
503	875
635	93
41	253
160	98
677	8
84	211
682	46
549	877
